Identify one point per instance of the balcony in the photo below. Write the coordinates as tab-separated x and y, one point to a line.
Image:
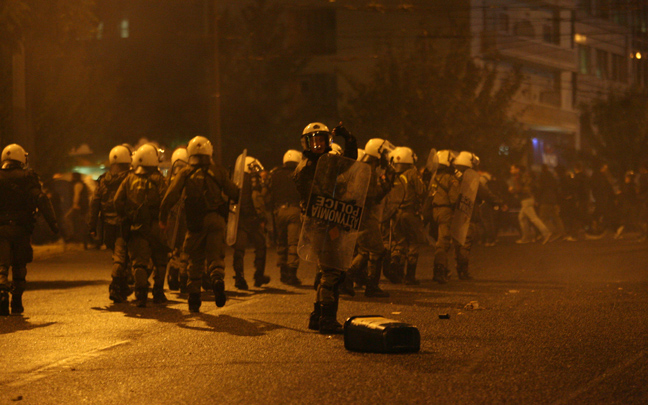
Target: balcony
507	46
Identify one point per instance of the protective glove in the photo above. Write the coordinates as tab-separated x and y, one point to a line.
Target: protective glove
341	131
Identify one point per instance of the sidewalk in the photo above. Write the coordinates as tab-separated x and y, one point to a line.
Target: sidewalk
42	252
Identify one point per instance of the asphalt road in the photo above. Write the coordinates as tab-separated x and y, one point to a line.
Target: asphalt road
565	323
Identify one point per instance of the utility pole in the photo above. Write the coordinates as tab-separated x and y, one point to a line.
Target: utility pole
21	127
215	90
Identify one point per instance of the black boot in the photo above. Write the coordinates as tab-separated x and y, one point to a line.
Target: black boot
172	278
194	302
313	321
292	277
440	273
239	282
4	303
141	295
410	276
114	290
373	280
328	324
16	304
260	278
158	295
219	293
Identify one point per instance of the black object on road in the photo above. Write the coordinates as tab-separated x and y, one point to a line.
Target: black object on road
373	333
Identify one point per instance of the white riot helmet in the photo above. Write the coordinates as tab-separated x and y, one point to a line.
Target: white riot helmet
14	152
119	154
312	130
378	147
252	165
336	149
292	155
200	145
361	154
147	156
374	147
403	154
467	159
446	157
180	155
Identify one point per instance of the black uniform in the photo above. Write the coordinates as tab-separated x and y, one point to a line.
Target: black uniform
22	196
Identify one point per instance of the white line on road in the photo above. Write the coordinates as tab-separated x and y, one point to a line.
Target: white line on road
64	363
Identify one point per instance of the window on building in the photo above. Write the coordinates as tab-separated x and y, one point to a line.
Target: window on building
602	64
619	69
124	28
586	5
524	29
584	61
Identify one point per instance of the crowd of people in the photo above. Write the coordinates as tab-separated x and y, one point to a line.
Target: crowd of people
174	228
568	205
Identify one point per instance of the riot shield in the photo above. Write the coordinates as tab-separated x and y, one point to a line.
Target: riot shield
465	204
432	163
334	211
234	206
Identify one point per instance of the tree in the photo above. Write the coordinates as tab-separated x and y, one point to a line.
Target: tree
620	134
258	68
433	98
61	82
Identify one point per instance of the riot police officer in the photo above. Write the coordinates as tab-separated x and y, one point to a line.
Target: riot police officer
316	141
251	225
284	202
408	226
467	160
102	208
444	194
22	196
177	267
370	245
137	201
203	183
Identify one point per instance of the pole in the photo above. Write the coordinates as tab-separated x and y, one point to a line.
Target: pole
215	99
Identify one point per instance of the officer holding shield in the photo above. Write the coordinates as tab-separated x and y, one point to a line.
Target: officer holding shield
316	141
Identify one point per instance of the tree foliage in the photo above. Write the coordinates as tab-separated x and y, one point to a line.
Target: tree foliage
258	70
431	98
621	128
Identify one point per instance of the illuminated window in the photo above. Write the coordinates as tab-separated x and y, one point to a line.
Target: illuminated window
125	28
100	30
